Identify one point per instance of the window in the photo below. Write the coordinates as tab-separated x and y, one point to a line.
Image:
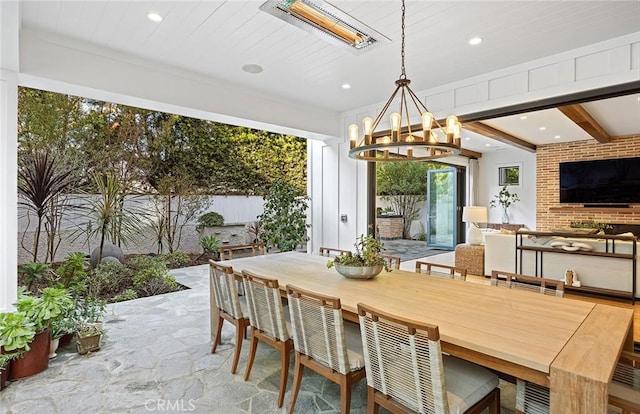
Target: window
509	175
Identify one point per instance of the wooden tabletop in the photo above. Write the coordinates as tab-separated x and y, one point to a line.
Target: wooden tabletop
513	331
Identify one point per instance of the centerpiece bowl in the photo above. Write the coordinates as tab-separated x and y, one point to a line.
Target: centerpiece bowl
358	272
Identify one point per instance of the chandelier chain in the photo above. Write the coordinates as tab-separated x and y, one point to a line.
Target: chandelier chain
404	74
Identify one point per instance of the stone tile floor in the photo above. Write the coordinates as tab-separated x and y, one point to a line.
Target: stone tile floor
156	357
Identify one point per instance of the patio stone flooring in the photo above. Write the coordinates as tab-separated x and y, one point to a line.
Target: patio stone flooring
156	357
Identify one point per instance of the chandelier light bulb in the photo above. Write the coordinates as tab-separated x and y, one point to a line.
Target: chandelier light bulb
353	135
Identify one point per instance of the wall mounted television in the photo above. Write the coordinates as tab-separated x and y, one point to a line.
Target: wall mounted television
601	182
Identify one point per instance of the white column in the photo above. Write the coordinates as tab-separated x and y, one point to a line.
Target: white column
9	58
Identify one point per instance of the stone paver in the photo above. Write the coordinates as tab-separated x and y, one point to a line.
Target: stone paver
156	357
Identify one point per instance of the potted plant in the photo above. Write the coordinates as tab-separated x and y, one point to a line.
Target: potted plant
210	246
16	335
504	199
365	263
88	324
53	304
89	338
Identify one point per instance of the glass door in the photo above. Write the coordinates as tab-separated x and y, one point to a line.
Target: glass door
442	207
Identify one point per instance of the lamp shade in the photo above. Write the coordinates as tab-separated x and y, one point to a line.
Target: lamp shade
473	214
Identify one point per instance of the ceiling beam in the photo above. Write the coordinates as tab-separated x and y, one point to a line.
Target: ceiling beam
584	120
498	135
470	154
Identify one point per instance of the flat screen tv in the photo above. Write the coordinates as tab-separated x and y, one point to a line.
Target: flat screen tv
601	182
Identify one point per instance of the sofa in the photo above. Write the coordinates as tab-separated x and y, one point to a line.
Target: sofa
592	271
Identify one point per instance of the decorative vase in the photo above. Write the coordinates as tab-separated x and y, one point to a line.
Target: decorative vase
358	272
53	347
505	216
35	360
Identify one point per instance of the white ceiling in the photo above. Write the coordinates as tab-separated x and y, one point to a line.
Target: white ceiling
216	38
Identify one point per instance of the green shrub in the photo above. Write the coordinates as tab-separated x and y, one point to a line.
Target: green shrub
154	280
210	244
128	294
73	272
108	278
33	271
143	262
210	219
175	259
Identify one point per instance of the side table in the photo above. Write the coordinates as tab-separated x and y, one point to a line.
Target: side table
470	257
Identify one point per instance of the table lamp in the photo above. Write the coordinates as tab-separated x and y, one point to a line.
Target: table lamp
474	215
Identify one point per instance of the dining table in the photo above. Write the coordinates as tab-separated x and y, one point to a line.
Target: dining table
570	346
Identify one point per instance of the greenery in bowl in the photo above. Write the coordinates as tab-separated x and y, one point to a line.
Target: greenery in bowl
367	254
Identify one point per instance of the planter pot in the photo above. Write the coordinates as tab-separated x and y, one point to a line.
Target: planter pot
53	347
35	360
358	272
88	344
65	340
4	375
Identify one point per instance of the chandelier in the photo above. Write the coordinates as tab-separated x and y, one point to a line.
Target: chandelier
427	140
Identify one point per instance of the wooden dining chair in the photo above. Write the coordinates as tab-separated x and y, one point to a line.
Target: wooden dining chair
254	249
542	285
624	388
438	270
392	261
407	372
224	296
268	323
323	343
332	252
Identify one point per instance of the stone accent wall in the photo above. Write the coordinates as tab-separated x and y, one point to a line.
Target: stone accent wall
548	158
390	228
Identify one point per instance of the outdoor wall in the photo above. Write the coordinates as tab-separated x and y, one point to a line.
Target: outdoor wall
547	175
236	210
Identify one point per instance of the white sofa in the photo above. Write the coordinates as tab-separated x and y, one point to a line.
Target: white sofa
592	271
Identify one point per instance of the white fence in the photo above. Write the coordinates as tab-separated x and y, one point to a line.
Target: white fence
236	210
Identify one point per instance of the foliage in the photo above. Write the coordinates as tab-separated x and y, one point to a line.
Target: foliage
154	280
284	217
128	294
74	270
88	311
42	183
254	229
210	219
504	199
590	224
63	326
85	330
108	278
52	305
33	271
367	254
210	244
404	185
16	332
175	259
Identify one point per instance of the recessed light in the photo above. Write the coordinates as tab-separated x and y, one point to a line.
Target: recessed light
252	68
475	41
523	117
154	17
557	136
542	128
487	145
346	86
638	99
467	139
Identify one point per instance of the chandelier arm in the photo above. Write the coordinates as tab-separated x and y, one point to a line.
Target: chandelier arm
417	102
406	110
384	110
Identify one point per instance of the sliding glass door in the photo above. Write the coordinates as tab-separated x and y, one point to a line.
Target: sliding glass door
442	208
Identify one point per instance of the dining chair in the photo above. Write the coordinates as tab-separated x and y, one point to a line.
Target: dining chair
407	371
224	295
533	284
332	252
392	261
323	343
439	270
268	323
624	388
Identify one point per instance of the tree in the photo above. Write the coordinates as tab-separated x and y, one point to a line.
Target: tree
404	185
284	220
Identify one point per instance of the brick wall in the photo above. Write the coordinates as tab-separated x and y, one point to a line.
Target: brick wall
548	158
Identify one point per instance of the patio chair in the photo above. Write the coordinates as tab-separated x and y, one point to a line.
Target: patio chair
226	253
392	261
624	388
407	372
230	306
323	343
332	252
438	270
268	323
532	284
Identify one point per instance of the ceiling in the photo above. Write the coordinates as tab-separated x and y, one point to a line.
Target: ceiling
216	38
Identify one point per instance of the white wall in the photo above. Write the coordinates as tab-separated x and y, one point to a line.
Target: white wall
522	212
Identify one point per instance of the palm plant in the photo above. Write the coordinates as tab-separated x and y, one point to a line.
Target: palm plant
41	183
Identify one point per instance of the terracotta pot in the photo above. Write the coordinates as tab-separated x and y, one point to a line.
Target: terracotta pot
65	339
4	375
35	360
